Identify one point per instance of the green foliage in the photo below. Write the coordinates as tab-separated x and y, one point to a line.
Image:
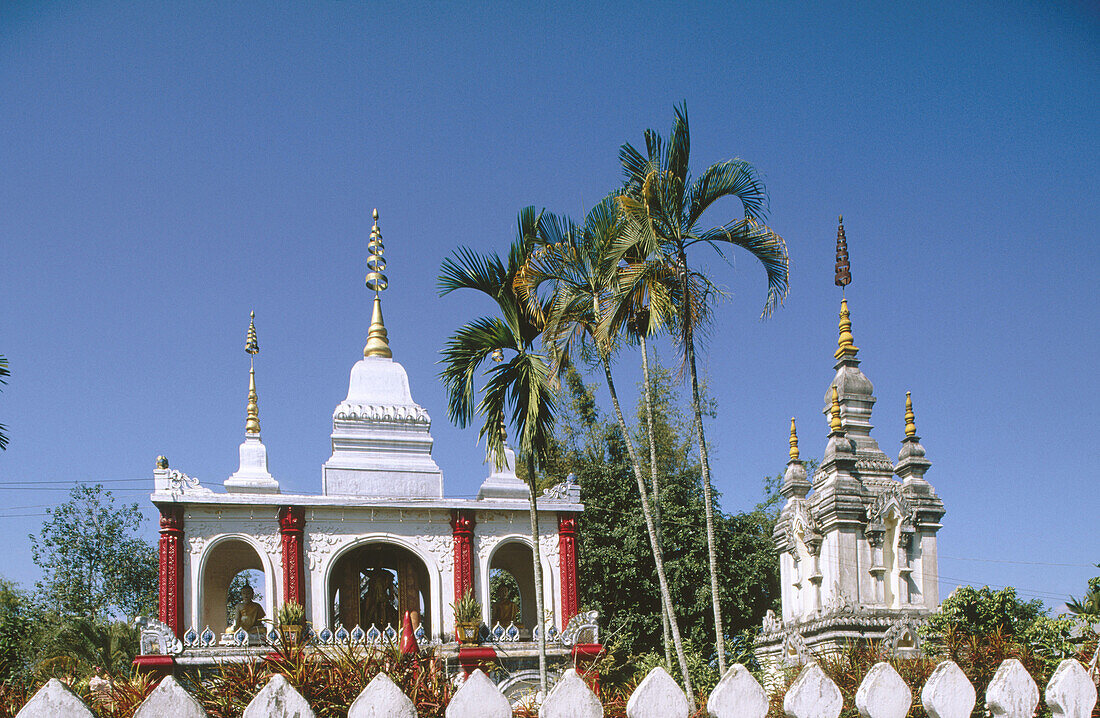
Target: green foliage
970	611
1088	607
89	643
16	619
291	613
93	560
467	609
614	555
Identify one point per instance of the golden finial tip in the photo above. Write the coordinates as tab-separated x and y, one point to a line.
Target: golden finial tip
834	412
374	214
910	417
794	442
845	343
840	219
252	314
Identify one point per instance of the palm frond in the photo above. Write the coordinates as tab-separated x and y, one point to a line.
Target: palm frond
462	355
679	146
467	269
764	244
732	178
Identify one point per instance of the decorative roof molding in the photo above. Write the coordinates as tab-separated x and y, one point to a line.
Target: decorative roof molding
403	414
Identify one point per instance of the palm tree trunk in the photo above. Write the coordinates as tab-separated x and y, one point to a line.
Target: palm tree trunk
653	481
537	559
708	505
658	559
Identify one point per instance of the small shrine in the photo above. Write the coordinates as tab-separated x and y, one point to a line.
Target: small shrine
379	543
857	539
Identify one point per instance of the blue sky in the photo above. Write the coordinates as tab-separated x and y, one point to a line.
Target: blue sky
165	168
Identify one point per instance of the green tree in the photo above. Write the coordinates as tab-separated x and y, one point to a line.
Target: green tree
664	208
518	383
16	619
93	560
94	643
579	263
613	552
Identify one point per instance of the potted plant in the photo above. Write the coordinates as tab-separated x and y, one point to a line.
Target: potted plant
467	618
292	621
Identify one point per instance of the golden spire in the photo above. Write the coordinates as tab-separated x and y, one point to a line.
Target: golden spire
910	418
252	424
794	442
834	413
845	347
377	339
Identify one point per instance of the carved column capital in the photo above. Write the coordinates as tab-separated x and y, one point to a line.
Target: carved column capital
292	518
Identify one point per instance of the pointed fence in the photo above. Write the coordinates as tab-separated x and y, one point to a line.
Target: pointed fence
1012	693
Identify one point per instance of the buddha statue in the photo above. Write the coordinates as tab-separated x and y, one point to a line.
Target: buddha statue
248	614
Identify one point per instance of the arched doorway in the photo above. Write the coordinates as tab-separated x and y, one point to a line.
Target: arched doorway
374	584
512	587
226	567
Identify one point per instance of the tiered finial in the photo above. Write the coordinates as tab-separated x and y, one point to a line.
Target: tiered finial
377	338
252	423
834	413
910	418
845	342
794	442
843	268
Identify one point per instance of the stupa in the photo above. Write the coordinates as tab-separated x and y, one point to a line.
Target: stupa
380	539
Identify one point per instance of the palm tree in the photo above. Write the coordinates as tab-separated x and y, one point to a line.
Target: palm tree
518	387
664	207
581	265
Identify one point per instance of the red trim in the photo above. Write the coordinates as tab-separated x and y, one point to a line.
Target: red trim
170	550
156	666
584	655
292	519
462	525
567	556
474	657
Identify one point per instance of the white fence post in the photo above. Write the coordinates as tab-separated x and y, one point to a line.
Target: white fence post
278	699
813	695
1012	692
54	700
1070	692
948	692
478	697
382	698
737	694
571	698
883	693
169	699
658	696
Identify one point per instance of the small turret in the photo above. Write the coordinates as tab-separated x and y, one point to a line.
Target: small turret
252	475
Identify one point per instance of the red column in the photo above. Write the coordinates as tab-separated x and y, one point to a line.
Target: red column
171	567
567	555
292	519
462	524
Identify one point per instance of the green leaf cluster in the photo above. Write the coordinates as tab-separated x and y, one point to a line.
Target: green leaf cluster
616	565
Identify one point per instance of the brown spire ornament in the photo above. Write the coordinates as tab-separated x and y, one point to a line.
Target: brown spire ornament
843	273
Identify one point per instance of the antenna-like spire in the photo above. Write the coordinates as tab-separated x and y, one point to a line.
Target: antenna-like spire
377	339
843	273
794	442
252	424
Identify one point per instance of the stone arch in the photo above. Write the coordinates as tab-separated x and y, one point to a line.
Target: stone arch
388	549
512	553
239	552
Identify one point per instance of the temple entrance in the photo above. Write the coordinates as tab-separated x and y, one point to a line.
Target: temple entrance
374	584
512	587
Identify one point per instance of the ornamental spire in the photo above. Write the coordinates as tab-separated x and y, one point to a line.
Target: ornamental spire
252	423
845	342
843	273
377	338
794	442
910	418
834	413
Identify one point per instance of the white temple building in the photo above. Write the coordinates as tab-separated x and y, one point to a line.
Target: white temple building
857	540
379	540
